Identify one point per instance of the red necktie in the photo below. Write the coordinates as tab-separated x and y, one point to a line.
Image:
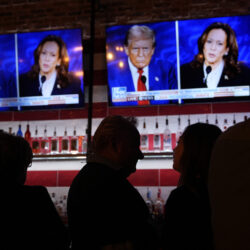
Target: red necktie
141	86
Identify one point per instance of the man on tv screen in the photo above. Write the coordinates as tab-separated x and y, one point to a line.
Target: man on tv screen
141	72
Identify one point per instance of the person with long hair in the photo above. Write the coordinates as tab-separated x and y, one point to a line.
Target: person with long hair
49	75
187	211
216	64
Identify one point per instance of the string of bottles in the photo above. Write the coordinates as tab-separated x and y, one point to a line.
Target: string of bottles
166	140
55	144
155	206
160	139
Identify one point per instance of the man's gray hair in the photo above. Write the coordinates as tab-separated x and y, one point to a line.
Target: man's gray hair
139	31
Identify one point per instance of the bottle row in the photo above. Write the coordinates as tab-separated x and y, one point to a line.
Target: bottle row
158	134
155	205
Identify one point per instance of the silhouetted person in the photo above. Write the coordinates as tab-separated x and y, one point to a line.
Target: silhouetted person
29	219
104	210
187	210
229	188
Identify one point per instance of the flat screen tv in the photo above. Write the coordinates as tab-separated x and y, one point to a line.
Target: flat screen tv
41	70
199	60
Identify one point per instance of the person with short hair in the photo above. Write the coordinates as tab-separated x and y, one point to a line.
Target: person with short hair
140	71
29	219
104	210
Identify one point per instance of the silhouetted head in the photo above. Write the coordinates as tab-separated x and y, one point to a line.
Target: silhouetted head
118	140
15	157
193	152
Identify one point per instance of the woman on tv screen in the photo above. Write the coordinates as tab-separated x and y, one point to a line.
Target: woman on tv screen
216	64
49	75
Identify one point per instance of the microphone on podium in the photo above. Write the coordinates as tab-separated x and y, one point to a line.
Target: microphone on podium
43	79
208	70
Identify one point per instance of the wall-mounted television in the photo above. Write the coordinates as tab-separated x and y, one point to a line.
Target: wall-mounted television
199	60
41	70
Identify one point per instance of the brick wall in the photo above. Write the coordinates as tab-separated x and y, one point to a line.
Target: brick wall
33	15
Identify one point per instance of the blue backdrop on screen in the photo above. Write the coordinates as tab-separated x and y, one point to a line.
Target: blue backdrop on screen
164	36
188	33
191	30
7	67
165	51
28	42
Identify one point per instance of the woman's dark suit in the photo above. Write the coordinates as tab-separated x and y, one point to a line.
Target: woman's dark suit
194	77
30	87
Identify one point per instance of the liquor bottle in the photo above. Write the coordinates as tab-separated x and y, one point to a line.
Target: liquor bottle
10	130
157	137
74	143
36	143
85	143
167	141
54	143
207	121
225	125
234	120
144	138
189	121
27	134
159	206
19	131
45	143
65	143
149	202
53	198
216	121
179	131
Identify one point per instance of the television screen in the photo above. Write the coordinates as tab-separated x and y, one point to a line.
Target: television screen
199	60
7	71
47	70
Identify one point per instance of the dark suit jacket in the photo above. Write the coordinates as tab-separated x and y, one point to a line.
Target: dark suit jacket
29	87
29	219
187	222
104	208
162	76
193	78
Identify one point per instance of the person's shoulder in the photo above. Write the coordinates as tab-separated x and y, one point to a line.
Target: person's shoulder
35	189
240	131
190	67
